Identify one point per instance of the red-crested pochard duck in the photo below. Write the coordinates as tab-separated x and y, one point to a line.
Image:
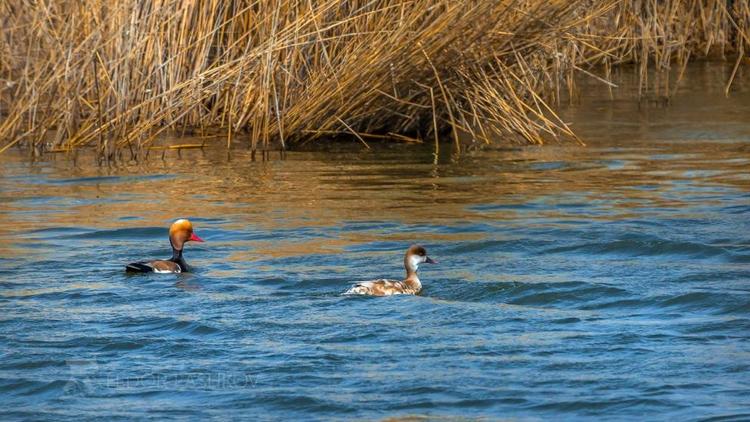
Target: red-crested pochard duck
411	285
180	232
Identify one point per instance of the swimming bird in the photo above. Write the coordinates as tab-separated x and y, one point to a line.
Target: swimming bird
411	285
180	232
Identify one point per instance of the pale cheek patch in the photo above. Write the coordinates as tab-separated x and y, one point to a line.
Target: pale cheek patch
415	260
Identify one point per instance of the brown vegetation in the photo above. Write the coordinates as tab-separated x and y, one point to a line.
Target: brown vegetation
116	75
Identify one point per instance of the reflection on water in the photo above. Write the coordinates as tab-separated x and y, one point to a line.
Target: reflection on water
606	280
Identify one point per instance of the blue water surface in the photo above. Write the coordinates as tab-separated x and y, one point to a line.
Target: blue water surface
608	281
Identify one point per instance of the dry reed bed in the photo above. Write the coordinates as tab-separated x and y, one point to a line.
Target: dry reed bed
118	74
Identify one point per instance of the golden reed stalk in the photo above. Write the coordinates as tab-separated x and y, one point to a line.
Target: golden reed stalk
117	74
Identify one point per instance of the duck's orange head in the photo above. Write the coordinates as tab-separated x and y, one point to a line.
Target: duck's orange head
181	231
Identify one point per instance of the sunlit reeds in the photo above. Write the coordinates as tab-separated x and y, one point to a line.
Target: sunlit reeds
116	75
664	35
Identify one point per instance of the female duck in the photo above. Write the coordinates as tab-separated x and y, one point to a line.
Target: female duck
411	285
180	232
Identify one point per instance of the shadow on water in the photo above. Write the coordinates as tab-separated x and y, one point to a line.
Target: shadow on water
606	280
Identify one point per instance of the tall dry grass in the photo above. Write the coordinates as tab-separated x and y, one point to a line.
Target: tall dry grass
116	75
664	35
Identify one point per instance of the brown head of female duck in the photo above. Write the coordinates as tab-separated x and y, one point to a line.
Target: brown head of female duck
180	232
411	285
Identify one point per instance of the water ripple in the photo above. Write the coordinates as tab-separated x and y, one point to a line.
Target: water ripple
574	283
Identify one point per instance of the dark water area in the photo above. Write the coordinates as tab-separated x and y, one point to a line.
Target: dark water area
611	280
